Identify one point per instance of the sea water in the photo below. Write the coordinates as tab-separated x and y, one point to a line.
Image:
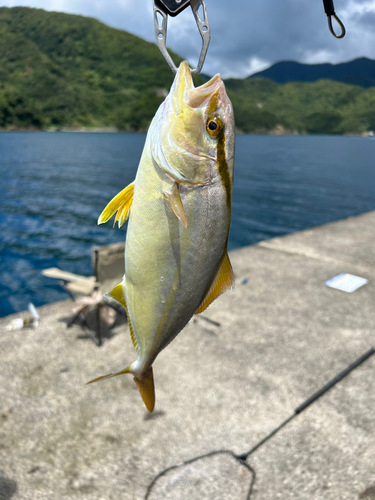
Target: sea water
53	186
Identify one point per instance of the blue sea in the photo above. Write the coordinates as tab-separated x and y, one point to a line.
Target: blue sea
53	186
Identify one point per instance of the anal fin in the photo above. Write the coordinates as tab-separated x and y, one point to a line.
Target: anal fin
173	196
223	281
121	204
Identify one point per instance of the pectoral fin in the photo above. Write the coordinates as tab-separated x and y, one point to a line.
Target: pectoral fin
173	196
121	204
223	281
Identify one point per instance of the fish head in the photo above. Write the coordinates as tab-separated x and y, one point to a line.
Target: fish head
196	129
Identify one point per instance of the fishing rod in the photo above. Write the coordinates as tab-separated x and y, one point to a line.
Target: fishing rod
165	8
244	456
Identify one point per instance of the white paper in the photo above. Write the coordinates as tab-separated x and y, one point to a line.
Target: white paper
346	282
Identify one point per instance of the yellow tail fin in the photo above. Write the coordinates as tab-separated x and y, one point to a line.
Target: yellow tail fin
147	389
110	375
145	386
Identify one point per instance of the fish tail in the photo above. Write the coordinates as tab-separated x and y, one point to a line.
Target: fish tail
110	375
145	385
147	389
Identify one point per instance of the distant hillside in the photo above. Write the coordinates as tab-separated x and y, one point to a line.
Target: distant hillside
323	107
60	71
64	70
358	72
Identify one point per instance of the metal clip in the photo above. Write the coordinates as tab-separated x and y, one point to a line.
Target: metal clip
161	14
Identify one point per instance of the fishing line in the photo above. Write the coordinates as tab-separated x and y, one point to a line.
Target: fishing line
243	457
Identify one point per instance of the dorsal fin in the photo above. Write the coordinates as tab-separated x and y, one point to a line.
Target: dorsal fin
223	281
118	294
121	204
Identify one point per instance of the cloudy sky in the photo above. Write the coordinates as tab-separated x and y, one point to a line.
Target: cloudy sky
246	35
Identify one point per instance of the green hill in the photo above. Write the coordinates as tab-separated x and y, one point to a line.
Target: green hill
63	70
322	107
59	70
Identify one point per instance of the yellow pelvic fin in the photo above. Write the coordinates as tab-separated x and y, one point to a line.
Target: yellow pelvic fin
118	294
147	389
173	196
223	281
110	375
121	204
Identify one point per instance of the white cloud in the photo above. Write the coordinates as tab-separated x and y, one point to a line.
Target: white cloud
320	56
355	7
255	64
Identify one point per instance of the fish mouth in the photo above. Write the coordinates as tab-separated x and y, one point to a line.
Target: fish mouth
195	97
201	96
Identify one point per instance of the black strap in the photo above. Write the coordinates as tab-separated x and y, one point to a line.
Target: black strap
329	8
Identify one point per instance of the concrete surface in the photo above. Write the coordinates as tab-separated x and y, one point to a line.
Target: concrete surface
283	335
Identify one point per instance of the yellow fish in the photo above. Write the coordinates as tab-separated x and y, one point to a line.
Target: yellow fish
176	260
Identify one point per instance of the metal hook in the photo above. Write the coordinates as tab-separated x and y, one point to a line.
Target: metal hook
161	14
340	23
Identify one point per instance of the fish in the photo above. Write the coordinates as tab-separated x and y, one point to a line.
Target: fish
179	211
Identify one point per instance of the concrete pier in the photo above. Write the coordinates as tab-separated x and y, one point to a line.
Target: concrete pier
283	335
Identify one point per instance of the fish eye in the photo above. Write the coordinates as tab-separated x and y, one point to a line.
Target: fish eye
214	126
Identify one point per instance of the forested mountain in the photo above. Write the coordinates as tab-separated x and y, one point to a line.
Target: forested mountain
65	70
59	71
324	106
357	72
